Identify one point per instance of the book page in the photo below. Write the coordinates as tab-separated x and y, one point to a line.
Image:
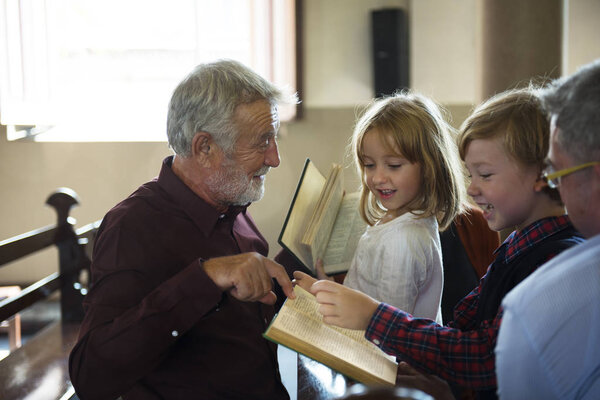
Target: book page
306	197
319	231
300	319
345	234
305	303
321	203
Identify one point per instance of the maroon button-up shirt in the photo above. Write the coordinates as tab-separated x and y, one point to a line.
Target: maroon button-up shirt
156	326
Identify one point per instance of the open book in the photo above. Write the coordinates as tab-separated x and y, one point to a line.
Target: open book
323	221
300	327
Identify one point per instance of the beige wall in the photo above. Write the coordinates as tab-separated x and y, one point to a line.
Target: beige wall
100	173
582	33
337	51
338	59
338	82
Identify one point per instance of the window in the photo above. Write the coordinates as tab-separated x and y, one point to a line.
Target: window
89	70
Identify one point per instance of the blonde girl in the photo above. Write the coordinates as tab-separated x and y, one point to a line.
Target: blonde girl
412	187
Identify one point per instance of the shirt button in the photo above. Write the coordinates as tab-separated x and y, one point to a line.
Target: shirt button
174	333
377	342
221	216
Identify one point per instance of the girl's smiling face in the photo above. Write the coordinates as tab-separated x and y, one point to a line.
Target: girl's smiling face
501	186
392	179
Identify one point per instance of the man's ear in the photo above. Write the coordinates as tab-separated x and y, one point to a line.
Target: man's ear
596	176
201	146
540	184
597	170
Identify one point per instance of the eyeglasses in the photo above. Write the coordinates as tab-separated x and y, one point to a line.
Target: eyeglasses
552	177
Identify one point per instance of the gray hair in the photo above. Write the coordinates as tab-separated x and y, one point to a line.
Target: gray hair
206	100
575	101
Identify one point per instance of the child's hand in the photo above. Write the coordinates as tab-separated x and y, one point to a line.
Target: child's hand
303	280
321	272
342	306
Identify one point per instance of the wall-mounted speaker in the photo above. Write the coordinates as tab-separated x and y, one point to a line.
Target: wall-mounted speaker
389	29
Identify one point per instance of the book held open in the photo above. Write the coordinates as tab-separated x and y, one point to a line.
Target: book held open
300	327
323	221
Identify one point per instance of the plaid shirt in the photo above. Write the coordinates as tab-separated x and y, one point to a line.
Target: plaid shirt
463	351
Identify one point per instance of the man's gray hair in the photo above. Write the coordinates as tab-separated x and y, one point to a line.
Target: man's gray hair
575	101
206	101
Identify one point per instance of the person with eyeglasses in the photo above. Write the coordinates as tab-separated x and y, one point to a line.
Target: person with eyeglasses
549	341
503	143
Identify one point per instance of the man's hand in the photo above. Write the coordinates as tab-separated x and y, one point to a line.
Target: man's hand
248	277
340	305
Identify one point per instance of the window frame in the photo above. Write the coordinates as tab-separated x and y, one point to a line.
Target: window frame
26	74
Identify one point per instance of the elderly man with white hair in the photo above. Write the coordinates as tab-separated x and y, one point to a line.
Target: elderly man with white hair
181	289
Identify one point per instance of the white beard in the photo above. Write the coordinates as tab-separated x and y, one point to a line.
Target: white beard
232	185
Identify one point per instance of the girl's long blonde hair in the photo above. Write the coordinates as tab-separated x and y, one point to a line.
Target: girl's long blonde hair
413	127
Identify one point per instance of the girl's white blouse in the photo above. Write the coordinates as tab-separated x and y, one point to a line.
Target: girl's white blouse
400	263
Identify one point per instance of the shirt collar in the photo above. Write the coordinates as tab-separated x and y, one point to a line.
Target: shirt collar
203	214
519	241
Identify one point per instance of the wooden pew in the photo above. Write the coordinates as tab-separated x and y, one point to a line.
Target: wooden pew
39	369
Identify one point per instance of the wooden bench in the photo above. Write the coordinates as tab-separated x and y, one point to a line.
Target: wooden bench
39	368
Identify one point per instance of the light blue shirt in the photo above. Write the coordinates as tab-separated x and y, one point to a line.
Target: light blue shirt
549	341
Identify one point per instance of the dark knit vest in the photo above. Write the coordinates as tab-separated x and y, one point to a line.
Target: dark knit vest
501	278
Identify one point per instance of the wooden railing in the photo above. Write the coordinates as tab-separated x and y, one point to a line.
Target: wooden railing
39	369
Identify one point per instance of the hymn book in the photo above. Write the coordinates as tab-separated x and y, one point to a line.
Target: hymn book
300	327
323	221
